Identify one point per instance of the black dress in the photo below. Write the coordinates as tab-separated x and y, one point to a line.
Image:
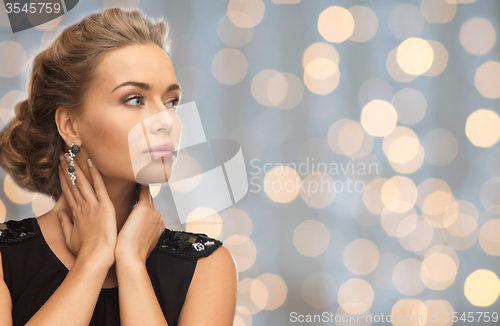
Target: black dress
33	272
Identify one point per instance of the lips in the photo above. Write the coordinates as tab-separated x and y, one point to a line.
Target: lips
165	149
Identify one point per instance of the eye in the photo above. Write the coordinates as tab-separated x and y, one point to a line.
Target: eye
137	99
176	105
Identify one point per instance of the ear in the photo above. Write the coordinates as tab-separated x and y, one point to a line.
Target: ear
67	126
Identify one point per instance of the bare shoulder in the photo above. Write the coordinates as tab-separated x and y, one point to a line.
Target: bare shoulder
215	276
220	261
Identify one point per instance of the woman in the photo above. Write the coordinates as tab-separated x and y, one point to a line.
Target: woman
108	258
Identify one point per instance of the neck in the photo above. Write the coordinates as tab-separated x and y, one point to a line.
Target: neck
122	194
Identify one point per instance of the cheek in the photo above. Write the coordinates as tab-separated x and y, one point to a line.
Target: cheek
106	141
176	133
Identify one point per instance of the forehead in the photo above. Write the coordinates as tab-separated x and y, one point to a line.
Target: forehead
145	63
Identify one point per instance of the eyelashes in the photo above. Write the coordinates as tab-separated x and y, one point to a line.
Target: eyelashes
176	106
131	98
140	97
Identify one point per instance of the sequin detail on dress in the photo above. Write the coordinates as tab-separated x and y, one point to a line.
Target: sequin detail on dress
188	245
12	231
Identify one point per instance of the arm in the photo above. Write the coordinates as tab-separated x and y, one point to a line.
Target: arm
138	302
215	276
5	301
73	303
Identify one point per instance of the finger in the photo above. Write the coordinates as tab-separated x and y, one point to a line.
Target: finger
82	183
67	227
74	189
99	186
66	190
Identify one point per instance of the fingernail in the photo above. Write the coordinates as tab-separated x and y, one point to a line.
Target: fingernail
59	216
61	157
89	162
67	157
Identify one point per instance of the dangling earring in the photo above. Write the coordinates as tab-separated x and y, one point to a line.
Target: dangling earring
75	149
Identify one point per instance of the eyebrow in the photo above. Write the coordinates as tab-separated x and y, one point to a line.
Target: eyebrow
146	86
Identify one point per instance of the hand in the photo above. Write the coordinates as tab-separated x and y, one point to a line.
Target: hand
93	228
141	230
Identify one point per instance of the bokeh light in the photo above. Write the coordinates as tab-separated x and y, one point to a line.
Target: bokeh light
482	127
487	79
410	105
282	184
311	238
415	56
365	23
246	13
438	11
355	296
379	118
229	66
361	256
482	288
336	24
12	58
478	36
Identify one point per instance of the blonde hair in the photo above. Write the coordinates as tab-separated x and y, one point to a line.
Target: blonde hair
61	76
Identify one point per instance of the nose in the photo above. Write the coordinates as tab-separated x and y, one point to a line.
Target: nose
163	120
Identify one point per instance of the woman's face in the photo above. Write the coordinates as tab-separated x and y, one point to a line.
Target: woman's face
131	108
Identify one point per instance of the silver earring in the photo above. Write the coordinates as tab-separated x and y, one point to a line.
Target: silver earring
75	149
